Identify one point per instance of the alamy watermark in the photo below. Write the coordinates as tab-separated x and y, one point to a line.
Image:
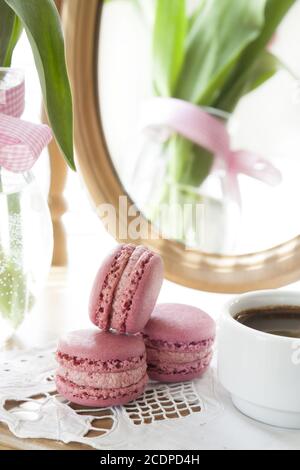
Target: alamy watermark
296	94
172	221
296	353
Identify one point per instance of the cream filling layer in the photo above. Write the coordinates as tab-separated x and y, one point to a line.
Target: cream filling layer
103	381
155	356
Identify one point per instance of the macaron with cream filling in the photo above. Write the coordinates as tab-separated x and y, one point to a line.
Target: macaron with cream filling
179	342
101	369
126	289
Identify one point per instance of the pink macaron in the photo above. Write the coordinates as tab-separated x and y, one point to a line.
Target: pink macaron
126	289
179	340
101	369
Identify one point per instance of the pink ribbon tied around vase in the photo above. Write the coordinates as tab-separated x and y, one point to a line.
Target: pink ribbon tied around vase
205	130
12	92
21	142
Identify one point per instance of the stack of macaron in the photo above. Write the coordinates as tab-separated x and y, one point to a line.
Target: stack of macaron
134	339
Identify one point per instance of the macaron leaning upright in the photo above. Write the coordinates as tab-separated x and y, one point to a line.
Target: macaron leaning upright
179	341
126	289
101	369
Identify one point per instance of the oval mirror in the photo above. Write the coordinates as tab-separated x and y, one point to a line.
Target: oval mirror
227	230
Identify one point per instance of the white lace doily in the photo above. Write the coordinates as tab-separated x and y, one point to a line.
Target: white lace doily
192	415
31	408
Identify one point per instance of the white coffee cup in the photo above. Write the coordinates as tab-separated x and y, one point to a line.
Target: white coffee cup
260	370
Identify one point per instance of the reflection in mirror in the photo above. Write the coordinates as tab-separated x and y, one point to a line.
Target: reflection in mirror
157	166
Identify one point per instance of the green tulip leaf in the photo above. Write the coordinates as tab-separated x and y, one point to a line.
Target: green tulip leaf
265	67
274	13
10	31
168	44
43	27
220	34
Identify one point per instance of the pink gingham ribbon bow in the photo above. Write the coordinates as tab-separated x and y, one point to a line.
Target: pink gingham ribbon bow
12	92
209	132
21	142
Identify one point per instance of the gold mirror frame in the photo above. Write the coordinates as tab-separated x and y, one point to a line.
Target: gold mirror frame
225	274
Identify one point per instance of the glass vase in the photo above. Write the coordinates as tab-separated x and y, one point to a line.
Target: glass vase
181	188
26	247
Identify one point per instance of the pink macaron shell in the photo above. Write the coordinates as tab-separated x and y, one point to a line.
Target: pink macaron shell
105	283
177	378
98	345
178	323
147	280
97	366
87	396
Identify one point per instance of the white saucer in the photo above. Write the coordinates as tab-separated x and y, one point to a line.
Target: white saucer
282	419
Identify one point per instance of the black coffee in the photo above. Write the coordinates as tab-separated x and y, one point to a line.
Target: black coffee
280	321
